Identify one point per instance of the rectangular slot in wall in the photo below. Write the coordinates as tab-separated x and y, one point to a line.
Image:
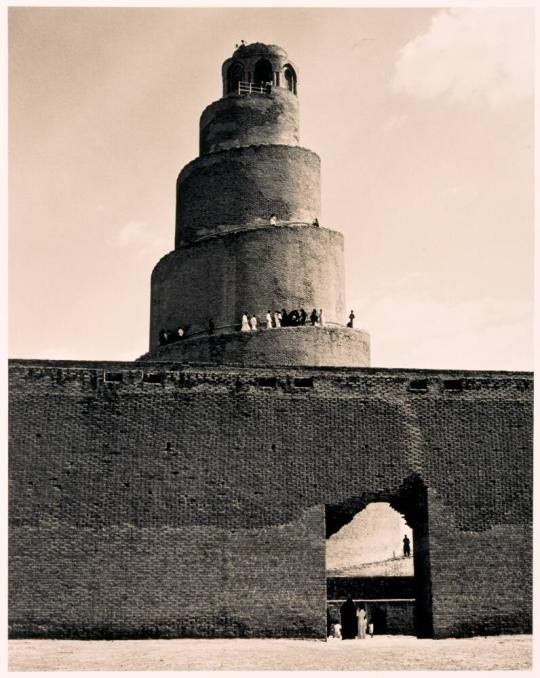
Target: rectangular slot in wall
303	382
113	376
453	384
418	385
267	382
153	377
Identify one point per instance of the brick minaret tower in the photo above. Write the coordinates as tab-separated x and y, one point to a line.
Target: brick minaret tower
229	257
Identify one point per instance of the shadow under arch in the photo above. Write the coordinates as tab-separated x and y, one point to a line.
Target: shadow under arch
263	72
410	500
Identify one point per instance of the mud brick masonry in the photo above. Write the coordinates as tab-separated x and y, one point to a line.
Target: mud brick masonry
190	492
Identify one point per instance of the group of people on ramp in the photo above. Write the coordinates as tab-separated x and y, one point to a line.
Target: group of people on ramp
250	323
282	319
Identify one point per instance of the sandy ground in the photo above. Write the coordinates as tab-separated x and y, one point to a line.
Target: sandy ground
378	653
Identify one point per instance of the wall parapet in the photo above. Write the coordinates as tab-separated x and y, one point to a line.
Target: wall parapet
447	384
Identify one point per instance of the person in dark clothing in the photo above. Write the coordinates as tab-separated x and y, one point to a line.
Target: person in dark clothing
314	317
349	625
284	318
406	546
315	222
163	337
293	318
211	326
351	319
303	316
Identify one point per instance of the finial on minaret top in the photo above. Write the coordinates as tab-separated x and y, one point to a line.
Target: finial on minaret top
259	66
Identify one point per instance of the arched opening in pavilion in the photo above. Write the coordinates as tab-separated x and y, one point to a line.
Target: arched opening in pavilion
290	78
262	73
235	74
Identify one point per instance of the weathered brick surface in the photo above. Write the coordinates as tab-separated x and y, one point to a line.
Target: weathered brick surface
191	500
245	120
115	580
490	564
254	271
244	186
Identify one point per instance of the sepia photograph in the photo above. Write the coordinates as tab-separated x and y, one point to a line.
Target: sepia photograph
270	338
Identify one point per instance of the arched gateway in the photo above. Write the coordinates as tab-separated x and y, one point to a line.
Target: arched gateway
410	500
190	493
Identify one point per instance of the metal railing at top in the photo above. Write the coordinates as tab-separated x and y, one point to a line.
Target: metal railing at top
251	88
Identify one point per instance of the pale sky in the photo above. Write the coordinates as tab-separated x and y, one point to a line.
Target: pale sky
423	119
373	535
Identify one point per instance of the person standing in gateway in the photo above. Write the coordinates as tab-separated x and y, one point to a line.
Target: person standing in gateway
349	624
406	546
362	622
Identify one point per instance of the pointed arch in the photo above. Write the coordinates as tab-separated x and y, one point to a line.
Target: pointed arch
235	74
290	77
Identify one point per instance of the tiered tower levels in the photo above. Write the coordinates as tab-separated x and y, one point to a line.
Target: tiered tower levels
228	257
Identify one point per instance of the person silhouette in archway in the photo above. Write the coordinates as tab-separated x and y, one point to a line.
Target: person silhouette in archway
406	546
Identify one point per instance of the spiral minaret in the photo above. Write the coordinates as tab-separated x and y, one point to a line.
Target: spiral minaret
229	256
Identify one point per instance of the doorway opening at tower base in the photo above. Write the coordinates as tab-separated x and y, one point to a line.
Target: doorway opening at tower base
377	559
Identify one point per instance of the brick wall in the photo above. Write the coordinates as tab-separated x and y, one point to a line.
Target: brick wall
364	588
244	186
156	499
267	268
250	120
